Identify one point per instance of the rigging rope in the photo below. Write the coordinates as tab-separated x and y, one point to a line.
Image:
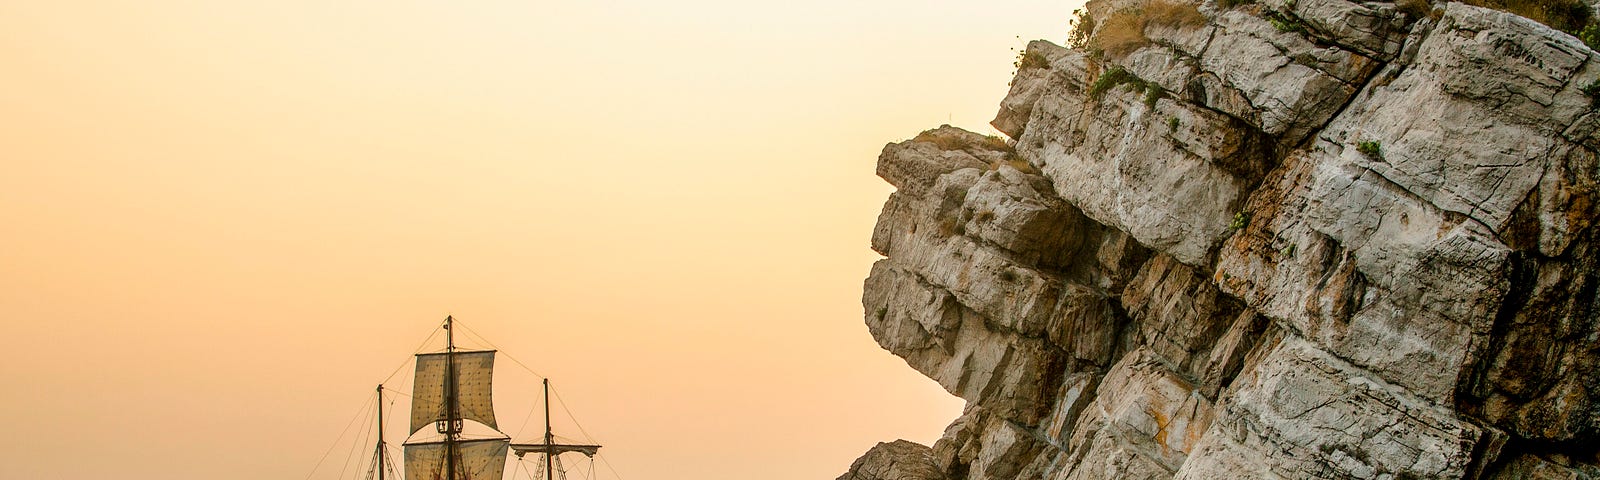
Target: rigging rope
608	466
522	467
365	433
574	418
341	437
372	467
418	350
497	348
526	419
590	475
390	466
502	352
395	451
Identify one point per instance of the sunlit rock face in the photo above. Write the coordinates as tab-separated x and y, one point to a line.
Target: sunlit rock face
897	460
1309	239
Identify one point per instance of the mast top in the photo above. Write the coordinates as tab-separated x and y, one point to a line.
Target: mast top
449	333
550	448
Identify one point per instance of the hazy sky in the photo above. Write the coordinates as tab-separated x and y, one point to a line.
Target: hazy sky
221	224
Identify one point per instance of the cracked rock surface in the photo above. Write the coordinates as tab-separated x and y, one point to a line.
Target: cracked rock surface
1361	248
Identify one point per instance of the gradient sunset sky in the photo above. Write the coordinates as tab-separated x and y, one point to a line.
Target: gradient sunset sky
225	222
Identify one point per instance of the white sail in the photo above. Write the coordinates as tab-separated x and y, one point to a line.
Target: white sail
479	460
474	395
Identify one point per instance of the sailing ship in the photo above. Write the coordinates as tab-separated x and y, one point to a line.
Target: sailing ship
452	388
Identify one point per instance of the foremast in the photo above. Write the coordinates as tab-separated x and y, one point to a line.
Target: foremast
549	435
381	453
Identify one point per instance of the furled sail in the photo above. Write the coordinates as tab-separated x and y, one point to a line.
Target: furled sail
480	460
474	395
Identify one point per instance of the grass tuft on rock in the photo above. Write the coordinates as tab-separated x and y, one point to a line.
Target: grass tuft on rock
1082	25
1371	149
1240	220
962	141
1414	9
1571	16
1285	23
1112	77
1593	91
1117	76
1030	59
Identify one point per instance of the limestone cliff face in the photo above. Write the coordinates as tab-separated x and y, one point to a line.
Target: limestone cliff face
1358	247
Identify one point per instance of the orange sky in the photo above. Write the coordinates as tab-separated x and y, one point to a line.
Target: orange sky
223	223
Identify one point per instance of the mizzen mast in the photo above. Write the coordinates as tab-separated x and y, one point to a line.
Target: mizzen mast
549	436
550	449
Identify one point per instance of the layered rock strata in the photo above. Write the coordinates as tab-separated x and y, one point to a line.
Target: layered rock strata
1358	246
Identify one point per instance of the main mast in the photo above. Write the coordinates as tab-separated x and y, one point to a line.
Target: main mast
453	386
453	405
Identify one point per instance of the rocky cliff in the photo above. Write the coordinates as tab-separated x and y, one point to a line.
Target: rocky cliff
1289	239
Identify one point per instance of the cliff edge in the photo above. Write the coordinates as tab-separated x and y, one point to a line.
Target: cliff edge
1293	239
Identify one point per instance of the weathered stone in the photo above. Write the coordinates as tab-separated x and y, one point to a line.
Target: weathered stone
1374	29
1288	85
1524	71
1145	411
1020	214
913	166
1181	316
1567	202
1304	414
897	460
1532	467
1471	126
995	367
1030	83
1375	275
1007	448
1309	239
1172	175
1537	380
